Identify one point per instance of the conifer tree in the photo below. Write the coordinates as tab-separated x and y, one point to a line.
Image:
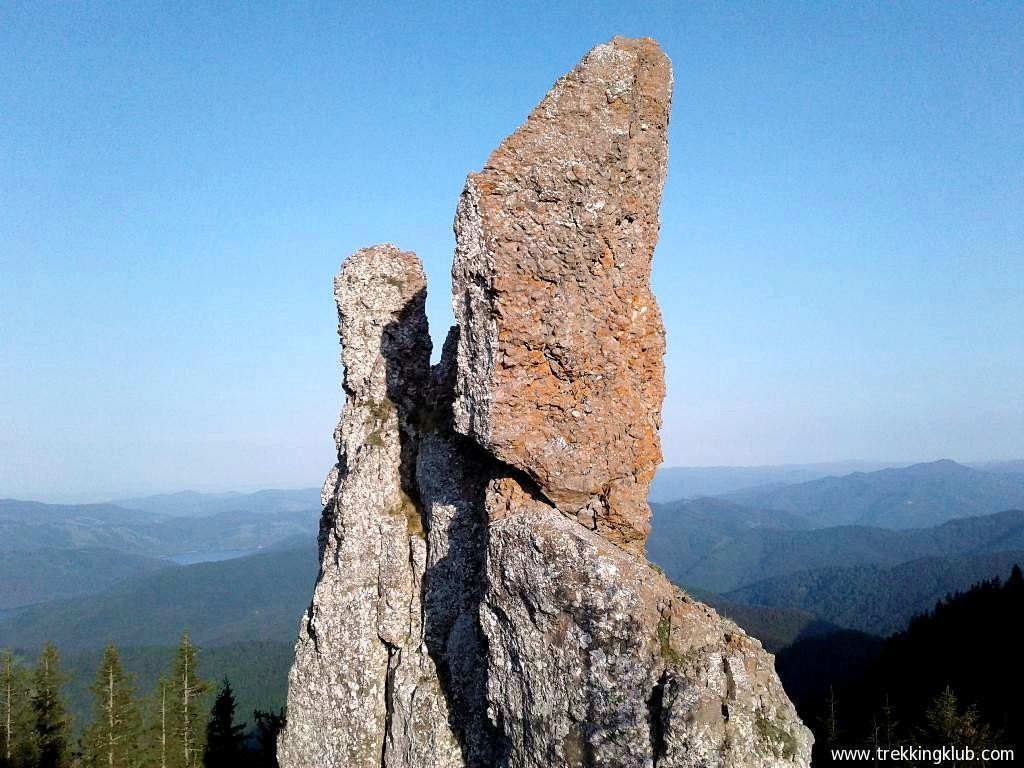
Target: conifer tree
112	739
186	710
1016	581
157	736
8	700
17	743
947	725
268	726
831	724
52	724
224	737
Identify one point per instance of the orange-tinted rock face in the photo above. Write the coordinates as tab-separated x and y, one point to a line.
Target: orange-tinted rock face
560	369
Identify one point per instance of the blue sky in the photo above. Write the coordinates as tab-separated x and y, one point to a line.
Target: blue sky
841	264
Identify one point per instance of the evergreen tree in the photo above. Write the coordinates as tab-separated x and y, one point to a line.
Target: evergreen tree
52	724
112	739
268	726
17	743
223	737
185	734
1016	580
831	727
157	734
8	700
947	725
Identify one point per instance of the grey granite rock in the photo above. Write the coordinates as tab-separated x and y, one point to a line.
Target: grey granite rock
363	690
483	600
595	660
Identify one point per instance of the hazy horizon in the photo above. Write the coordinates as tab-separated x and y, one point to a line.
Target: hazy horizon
94	497
840	267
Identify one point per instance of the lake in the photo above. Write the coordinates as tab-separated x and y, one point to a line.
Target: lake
210	556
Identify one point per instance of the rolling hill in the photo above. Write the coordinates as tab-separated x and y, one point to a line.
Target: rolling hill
26	525
271	518
876	599
675	483
918	496
715	547
260	597
51	574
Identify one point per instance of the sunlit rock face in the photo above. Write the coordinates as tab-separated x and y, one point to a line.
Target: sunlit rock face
483	599
561	345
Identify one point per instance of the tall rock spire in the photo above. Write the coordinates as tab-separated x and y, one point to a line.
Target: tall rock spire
561	345
483	600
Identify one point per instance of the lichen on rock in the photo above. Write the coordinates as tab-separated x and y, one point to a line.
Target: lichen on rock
362	675
561	342
483	600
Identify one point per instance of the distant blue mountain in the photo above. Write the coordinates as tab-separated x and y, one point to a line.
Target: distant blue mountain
700	547
917	496
193	504
260	597
161	526
877	599
673	483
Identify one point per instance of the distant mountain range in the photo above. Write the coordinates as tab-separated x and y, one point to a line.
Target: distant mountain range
784	561
260	597
699	545
910	497
876	599
192	504
161	526
674	483
1001	467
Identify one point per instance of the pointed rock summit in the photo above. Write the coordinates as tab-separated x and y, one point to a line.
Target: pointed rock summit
483	600
560	352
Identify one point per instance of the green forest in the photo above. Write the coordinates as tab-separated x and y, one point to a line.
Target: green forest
182	721
951	677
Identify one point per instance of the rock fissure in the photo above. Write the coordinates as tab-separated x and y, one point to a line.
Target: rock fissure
655	708
483	600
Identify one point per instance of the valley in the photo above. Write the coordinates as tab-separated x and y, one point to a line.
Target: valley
236	571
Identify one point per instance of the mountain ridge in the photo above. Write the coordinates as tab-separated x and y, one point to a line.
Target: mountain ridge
917	496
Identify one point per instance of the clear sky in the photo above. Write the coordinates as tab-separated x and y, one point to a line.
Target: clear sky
841	264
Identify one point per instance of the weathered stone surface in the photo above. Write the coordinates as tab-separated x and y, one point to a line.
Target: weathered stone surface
596	661
483	601
560	353
363	690
453	474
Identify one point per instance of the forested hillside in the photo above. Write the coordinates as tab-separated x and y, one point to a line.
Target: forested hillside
173	525
911	497
950	678
147	708
872	598
260	597
39	575
711	544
